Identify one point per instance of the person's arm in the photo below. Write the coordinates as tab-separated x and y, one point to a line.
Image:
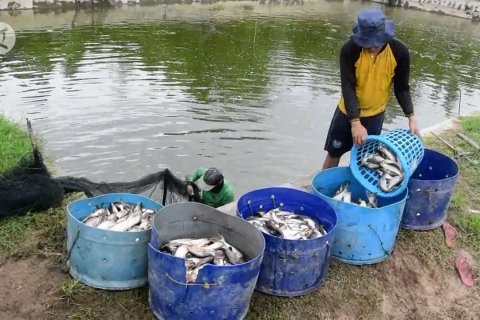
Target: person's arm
349	54
196	174
401	79
401	84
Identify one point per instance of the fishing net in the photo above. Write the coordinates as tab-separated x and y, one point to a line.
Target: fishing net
161	186
29	187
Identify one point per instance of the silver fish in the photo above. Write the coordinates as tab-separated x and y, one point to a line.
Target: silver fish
385	153
192	272
182	251
391	169
132	220
199	252
288	225
106	224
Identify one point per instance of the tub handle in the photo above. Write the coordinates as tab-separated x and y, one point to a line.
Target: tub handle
379	240
66	263
206	285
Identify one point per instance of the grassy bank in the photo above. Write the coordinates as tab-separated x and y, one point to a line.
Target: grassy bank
15	144
391	289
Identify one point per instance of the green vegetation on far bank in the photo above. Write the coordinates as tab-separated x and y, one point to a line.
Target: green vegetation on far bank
358	292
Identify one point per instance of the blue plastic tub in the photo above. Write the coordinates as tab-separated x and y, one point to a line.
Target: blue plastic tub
106	259
407	147
364	235
292	267
220	292
431	189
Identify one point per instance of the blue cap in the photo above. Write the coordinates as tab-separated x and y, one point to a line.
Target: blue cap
372	29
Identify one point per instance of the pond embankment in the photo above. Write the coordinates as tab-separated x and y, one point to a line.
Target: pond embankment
467	9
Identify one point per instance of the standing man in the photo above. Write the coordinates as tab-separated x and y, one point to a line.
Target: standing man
211	187
370	62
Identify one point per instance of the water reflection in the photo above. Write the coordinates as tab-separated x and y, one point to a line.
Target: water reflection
248	87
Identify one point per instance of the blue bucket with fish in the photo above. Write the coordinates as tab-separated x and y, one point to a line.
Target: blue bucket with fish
364	235
292	267
431	189
406	151
105	259
219	291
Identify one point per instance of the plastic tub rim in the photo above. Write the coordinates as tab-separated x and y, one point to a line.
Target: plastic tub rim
103	195
275	237
457	167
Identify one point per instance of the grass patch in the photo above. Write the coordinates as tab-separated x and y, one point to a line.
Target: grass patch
40	233
466	199
15	144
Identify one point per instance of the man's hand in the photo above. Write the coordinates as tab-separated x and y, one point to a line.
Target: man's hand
412	123
190	189
359	133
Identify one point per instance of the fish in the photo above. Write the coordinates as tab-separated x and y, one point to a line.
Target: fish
372	199
199	252
287	225
385	153
340	193
121	216
106	224
132	220
192	271
388	167
387	182
346	196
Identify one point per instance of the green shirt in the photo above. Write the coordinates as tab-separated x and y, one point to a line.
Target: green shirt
213	199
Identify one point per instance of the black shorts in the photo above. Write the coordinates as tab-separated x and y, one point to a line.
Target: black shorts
339	138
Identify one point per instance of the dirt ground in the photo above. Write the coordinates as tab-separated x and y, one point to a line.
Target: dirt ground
30	289
405	286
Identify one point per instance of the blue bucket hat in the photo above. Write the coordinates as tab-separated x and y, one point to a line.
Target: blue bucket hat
372	29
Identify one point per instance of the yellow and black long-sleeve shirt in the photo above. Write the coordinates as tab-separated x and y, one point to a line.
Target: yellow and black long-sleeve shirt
367	81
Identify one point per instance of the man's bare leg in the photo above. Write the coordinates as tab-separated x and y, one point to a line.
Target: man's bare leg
330	162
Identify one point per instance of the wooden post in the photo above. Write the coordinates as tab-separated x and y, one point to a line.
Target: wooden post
470	141
33	142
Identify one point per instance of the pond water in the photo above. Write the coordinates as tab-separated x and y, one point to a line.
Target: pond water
247	87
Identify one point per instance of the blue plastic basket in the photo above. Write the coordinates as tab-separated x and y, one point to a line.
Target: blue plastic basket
408	148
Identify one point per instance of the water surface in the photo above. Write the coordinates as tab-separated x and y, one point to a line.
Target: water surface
250	88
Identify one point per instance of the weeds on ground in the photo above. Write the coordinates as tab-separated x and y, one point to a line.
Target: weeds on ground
15	144
464	210
39	233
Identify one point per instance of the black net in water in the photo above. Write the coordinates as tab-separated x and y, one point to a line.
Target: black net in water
161	186
30	187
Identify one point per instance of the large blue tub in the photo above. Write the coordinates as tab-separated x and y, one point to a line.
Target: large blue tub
364	235
106	259
431	189
292	267
220	292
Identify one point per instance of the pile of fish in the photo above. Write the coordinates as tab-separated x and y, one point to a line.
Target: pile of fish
388	167
121	216
199	252
345	195
287	225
